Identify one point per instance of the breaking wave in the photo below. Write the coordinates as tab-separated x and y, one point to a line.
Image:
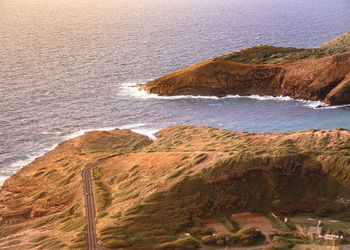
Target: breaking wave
132	90
140	128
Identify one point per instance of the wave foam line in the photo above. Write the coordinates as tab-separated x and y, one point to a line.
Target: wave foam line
2	179
136	127
17	165
131	89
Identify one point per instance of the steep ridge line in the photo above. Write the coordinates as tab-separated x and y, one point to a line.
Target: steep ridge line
90	211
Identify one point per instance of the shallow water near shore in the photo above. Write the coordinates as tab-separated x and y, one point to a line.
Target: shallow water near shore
70	66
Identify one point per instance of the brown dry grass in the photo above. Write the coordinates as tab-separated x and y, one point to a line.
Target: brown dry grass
46	197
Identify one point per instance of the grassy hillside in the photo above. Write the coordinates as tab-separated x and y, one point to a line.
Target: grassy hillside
150	193
265	54
42	206
202	172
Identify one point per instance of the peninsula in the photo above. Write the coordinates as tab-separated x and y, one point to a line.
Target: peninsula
319	74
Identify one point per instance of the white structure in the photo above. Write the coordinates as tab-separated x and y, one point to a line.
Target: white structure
314	231
331	236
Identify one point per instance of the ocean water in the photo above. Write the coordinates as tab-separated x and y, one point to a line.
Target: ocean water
69	66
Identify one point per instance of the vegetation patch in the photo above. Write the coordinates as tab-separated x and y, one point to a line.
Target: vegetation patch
40	195
73	224
247	181
67	180
265	54
51	173
38	173
186	243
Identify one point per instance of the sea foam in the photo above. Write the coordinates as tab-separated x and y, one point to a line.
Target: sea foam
131	90
140	128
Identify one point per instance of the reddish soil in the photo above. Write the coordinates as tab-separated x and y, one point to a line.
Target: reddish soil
209	221
325	79
260	222
218	227
245	215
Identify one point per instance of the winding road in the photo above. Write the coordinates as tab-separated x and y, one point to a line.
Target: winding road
91	239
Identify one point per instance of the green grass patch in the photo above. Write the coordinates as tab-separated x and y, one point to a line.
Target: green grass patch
186	243
61	159
278	224
199	158
39	238
40	195
227	223
51	173
38	173
265	54
46	220
67	180
176	173
73	224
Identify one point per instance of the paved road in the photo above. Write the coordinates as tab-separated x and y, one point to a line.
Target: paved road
91	240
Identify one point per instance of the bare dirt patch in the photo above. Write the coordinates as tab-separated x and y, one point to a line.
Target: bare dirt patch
209	221
218	227
259	222
245	215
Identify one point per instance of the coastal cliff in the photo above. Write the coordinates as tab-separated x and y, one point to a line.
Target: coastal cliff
147	193
321	74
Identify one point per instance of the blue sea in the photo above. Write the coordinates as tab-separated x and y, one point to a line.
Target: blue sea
68	66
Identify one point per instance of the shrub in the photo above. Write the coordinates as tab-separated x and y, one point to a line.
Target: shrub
341	241
280	243
291	225
220	236
115	243
234	239
196	231
209	239
186	243
164	239
247	236
207	231
220	243
247	231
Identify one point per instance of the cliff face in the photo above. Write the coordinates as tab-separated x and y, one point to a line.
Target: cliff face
150	191
311	74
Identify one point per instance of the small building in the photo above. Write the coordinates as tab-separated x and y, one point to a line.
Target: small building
330	236
314	231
